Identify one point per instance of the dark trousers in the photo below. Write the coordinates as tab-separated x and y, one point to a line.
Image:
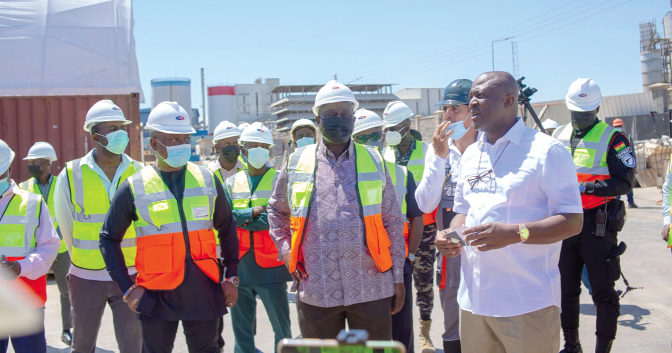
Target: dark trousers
34	343
61	266
402	322
220	329
375	317
158	336
592	251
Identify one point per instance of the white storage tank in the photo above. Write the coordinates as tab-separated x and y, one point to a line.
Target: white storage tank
652	68
173	90
667	25
221	106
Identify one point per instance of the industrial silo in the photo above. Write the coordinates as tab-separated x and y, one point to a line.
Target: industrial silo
173	90
221	106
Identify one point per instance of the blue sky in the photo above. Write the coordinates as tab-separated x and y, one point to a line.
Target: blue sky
410	44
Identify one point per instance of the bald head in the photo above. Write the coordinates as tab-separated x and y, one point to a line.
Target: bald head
493	102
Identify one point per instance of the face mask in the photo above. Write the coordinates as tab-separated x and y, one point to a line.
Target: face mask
178	155
458	129
305	142
4	185
230	153
583	120
257	157
35	171
336	130
116	141
393	138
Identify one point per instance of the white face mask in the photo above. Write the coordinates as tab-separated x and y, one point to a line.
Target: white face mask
258	156
393	138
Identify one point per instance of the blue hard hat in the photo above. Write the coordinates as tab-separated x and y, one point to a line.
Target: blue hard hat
456	93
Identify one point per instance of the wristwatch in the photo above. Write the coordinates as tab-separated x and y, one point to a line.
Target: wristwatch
233	280
582	187
523	232
411	257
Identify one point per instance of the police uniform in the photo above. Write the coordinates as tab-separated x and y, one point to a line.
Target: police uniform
605	165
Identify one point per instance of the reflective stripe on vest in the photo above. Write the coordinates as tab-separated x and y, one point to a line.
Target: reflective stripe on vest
18	224
399	176
91	203
415	165
32	186
238	187
371	180
590	157
162	241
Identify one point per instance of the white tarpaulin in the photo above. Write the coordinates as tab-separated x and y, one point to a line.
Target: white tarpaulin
67	47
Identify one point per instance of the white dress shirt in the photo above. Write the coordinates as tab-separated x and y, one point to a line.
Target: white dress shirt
47	241
215	165
666	196
65	211
534	178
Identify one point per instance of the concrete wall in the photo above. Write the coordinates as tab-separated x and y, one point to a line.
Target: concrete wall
422	101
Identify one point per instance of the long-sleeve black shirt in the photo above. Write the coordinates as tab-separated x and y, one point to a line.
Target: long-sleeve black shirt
621	174
197	297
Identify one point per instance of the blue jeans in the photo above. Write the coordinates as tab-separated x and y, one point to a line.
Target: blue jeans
35	343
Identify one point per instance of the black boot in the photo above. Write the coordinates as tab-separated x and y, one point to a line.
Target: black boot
572	344
603	345
452	346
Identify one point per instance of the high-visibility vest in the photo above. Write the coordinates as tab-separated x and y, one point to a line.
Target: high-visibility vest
399	176
590	157
213	166
32	186
17	240
416	165
162	245
242	197
91	203
371	180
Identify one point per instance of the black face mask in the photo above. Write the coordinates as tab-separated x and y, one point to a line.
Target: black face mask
230	153
35	171
337	129
583	120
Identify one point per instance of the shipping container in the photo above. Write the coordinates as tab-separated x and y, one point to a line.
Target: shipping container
59	120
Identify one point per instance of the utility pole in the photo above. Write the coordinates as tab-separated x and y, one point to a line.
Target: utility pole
493	49
203	94
514	58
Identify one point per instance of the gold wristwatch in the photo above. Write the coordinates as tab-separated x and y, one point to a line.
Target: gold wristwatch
523	232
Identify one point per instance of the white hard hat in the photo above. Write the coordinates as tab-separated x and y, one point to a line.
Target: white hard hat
6	157
366	119
302	123
103	111
170	118
396	112
242	126
550	124
256	132
41	150
225	129
584	95
334	92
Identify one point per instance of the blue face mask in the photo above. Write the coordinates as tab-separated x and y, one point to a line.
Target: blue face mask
257	157
458	129
116	141
305	142
4	185
178	155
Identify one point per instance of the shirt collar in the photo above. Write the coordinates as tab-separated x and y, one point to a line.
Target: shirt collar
515	134
237	166
322	148
13	189
91	162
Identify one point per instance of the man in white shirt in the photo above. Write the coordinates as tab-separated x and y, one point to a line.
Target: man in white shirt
442	167
667	197
516	186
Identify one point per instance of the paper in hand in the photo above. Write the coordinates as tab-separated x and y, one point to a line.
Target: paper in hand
456	236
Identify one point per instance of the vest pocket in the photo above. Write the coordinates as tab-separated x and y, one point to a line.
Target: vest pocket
207	245
157	253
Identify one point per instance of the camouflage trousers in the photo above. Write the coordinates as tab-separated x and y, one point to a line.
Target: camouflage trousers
423	272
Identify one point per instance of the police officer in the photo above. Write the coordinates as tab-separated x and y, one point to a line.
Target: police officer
618	125
369	131
605	168
442	166
40	158
405	147
177	209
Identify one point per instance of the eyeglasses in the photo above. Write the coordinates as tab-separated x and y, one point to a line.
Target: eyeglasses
374	136
484	176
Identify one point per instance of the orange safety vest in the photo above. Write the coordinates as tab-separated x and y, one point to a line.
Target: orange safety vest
239	190
160	235
371	180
